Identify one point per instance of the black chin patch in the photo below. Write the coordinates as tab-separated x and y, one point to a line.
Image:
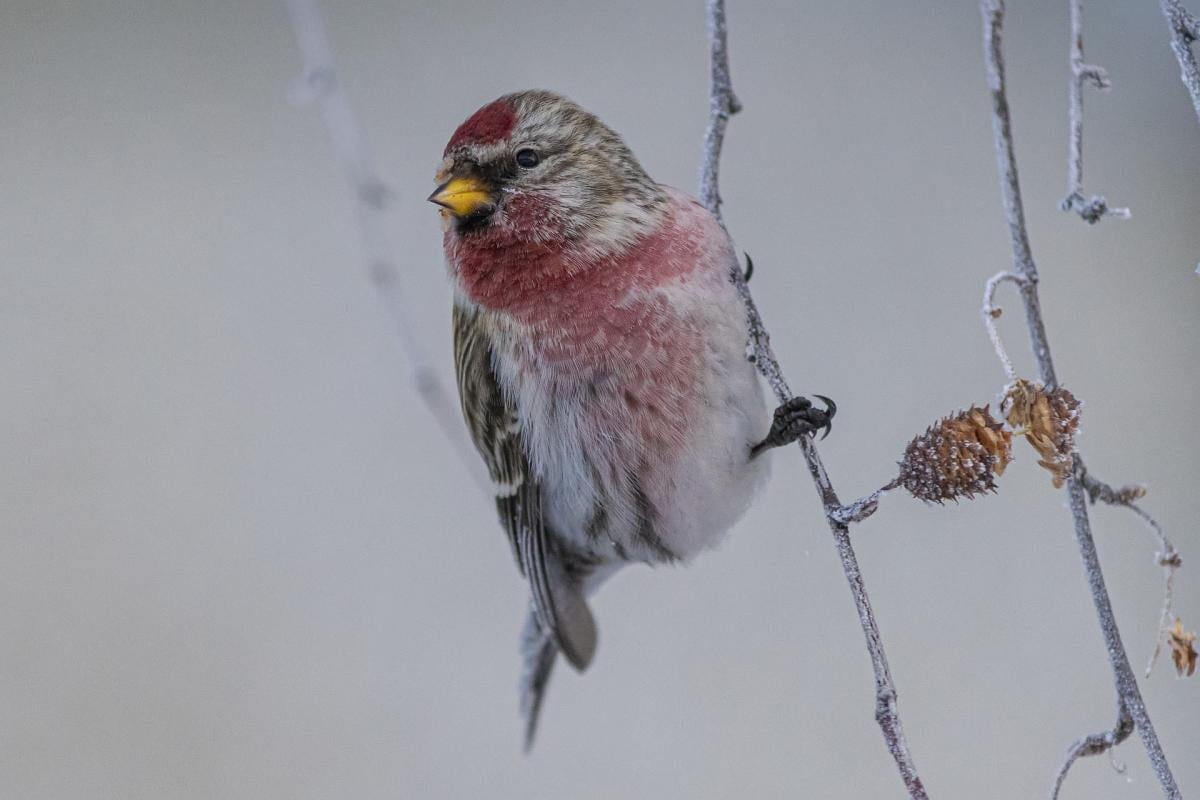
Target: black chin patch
476	220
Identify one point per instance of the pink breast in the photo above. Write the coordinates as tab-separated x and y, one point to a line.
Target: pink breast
589	319
524	266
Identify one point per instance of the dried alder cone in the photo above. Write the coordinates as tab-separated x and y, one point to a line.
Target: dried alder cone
1183	649
1048	420
959	456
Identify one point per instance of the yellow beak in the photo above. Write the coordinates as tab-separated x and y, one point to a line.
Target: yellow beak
462	196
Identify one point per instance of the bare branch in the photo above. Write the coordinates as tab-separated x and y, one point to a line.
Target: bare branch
1093	745
863	507
722	103
991	312
1166	557
371	196
1091	209
1126	684
1185	29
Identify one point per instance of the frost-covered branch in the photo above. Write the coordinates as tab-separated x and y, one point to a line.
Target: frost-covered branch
1166	557
722	104
991	312
1185	31
1091	209
1129	695
861	508
1093	745
371	196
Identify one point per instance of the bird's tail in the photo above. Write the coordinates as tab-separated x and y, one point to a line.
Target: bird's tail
538	653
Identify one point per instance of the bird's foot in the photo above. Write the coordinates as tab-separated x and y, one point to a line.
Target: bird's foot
795	418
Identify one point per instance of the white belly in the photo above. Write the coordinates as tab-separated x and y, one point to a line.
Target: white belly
614	492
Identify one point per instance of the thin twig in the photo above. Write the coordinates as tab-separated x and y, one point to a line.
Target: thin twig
1185	29
722	104
1126	683
319	83
1093	745
1091	209
991	312
863	507
1166	557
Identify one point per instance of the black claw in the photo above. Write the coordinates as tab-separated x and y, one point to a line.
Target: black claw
749	268
795	418
830	406
830	410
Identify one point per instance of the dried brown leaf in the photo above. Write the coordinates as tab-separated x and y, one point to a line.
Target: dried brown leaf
1183	649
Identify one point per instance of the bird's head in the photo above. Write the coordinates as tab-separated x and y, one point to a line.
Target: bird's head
534	168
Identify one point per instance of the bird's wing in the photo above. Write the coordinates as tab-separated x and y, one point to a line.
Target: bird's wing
495	428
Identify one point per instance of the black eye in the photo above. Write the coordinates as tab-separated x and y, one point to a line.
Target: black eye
527	158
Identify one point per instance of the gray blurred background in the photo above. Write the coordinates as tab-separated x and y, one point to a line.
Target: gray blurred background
237	559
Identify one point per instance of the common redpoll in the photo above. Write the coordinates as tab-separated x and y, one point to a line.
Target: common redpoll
600	350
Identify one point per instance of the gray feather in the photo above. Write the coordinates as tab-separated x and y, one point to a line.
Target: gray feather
538	653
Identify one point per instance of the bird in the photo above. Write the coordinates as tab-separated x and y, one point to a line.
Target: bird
600	350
